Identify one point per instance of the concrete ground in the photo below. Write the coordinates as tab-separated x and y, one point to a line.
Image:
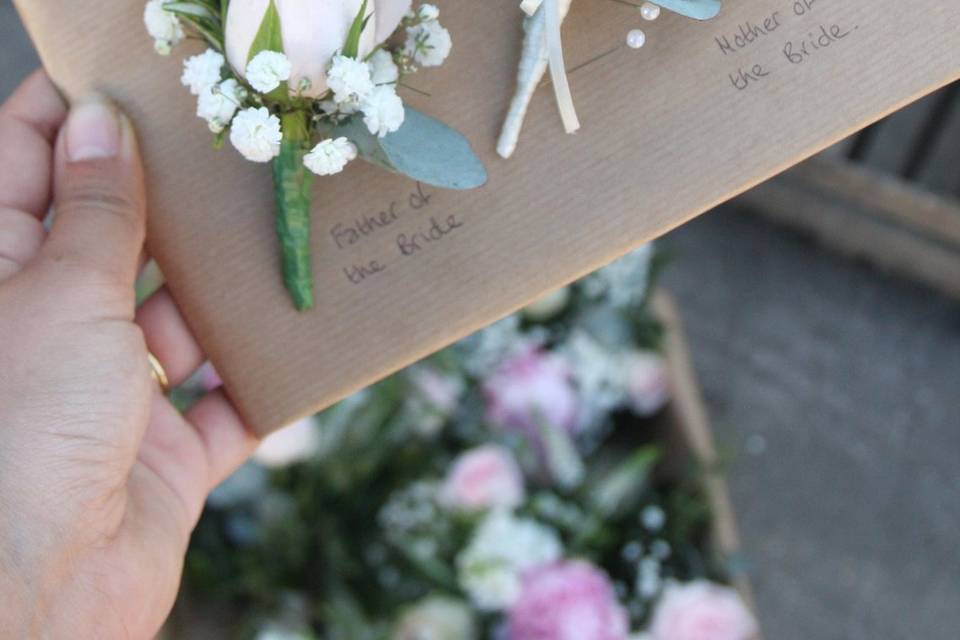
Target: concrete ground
840	387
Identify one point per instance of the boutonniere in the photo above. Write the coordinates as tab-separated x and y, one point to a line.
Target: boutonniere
309	87
543	49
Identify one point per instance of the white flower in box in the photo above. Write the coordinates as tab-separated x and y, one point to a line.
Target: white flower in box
502	549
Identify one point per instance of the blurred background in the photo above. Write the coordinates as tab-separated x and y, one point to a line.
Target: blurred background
823	312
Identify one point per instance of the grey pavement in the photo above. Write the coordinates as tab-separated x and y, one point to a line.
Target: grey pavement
840	388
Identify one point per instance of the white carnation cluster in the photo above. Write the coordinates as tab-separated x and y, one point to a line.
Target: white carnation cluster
354	86
330	156
268	70
502	549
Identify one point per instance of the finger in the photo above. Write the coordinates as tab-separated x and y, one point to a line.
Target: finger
227	440
168	336
21	236
192	454
29	122
99	200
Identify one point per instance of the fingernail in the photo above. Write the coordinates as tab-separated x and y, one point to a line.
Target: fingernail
93	131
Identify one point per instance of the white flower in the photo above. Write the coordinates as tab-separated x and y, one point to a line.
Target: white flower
219	103
163	26
267	70
202	71
349	80
383	111
256	134
436	618
428	43
428	12
295	443
330	156
383	70
502	548
624	282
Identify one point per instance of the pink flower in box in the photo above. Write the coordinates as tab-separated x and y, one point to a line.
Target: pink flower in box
483	478
701	610
570	600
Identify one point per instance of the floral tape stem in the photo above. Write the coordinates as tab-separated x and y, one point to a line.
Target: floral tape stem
292	187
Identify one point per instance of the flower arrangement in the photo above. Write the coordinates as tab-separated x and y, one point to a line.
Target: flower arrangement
504	489
542	49
311	86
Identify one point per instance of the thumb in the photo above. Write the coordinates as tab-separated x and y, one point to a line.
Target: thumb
99	199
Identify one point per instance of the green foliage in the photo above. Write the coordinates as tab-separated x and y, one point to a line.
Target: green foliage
292	190
270	35
203	16
351	47
423	149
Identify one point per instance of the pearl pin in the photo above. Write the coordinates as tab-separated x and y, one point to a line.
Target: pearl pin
649	11
636	39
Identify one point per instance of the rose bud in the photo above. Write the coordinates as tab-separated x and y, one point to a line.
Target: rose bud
313	31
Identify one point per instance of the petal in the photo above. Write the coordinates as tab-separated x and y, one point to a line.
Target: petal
388	16
243	22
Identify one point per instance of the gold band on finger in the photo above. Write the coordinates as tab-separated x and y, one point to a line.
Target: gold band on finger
158	372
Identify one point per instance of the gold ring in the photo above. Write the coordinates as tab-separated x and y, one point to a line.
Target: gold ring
158	372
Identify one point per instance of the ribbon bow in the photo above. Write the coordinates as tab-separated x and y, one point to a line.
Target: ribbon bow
558	70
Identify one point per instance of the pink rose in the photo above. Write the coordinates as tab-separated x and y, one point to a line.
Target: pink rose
313	32
530	389
701	610
570	600
648	385
483	478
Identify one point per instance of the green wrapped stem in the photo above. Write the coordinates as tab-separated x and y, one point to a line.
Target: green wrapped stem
292	184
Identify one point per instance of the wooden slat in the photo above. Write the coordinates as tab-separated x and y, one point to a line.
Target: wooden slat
870	215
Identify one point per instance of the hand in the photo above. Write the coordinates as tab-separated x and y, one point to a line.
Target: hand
101	479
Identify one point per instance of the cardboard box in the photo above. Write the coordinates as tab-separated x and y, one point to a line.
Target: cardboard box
683	430
703	112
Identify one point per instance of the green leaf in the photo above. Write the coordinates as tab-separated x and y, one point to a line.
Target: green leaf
269	36
190	9
351	47
620	489
423	149
696	9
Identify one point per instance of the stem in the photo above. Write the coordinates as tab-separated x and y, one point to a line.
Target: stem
291	183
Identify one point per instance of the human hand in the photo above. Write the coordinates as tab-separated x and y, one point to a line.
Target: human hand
101	479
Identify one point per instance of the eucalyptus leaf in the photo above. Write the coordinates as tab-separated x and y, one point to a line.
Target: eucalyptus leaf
269	36
423	149
697	9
